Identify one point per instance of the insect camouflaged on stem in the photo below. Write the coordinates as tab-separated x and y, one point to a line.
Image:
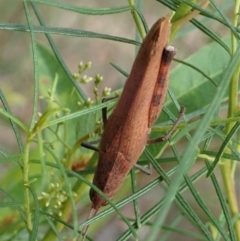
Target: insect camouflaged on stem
127	130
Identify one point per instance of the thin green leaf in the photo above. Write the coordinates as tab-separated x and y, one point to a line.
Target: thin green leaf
119	69
204	207
58	56
19	209
190	212
223	137
223	205
135	201
156	208
14	126
196	69
168	232
224	17
77	114
222	148
144	22
170	4
34	231
66	224
9	204
35	65
48	215
52	225
14	119
85	10
225	155
12	158
210	34
200	202
185	233
65	31
195	217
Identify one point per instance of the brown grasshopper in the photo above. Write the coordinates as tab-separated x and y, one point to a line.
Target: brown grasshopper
126	133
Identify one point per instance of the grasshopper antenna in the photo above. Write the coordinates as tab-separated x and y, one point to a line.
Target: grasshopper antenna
91	214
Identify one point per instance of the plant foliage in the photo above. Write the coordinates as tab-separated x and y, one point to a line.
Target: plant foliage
44	190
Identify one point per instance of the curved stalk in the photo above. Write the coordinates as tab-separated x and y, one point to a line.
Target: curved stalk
228	166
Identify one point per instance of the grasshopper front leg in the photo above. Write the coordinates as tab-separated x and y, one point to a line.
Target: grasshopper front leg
89	145
104	110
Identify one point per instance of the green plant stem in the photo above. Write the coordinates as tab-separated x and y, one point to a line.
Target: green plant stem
137	20
227	167
233	92
36	129
26	182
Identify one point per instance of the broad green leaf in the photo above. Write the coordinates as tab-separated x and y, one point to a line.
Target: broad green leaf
191	88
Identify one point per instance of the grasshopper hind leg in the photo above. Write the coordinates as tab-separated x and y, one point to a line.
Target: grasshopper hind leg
165	137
